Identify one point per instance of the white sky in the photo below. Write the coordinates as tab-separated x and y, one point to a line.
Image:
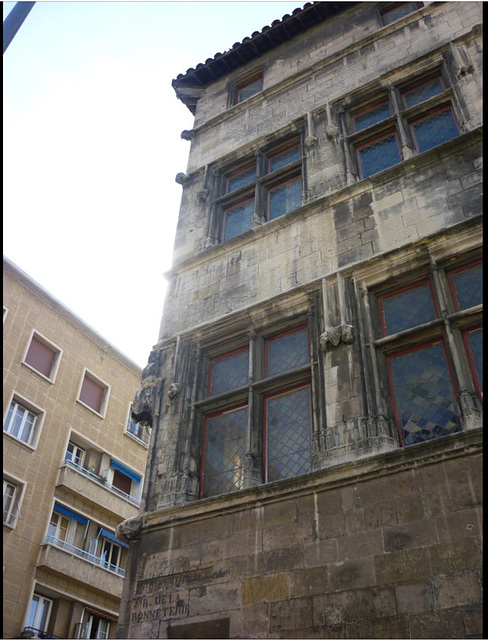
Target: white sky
92	147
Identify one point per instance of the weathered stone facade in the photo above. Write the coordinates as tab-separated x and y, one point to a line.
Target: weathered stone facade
377	534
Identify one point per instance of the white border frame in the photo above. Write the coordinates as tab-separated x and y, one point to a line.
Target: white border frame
40	415
9	477
103	409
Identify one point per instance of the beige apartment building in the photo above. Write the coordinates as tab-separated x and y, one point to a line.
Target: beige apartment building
73	467
316	389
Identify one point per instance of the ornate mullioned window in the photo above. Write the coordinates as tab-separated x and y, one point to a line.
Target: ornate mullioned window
258	404
431	343
258	190
406	119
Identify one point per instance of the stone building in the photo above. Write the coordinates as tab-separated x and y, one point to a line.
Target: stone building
315	393
73	467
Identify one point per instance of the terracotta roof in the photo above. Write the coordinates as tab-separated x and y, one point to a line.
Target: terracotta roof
187	84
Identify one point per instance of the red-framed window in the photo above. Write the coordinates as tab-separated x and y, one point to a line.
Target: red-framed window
466	284
281	159
224	449
287	434
378	154
423	91
240	178
473	342
237	219
371	115
286	351
284	197
435	128
398	10
407	307
248	88
229	371
423	393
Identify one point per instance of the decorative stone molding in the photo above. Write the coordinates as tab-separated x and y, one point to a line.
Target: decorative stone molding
331	131
182	178
202	195
174	389
333	336
145	400
310	142
187	134
129	530
177	489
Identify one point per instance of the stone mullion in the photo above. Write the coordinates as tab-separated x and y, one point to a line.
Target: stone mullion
253	456
467	398
407	151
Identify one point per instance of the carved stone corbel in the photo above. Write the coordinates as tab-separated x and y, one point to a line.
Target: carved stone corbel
310	142
182	178
202	195
174	389
129	530
333	336
187	135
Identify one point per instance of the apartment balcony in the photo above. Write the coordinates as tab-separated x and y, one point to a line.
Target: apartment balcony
70	561
82	482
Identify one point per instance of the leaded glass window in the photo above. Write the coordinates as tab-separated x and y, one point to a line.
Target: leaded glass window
288	434
284	198
238	219
424	400
224	451
229	372
378	155
435	129
284	158
241	179
467	286
371	116
407	308
422	92
286	352
474	345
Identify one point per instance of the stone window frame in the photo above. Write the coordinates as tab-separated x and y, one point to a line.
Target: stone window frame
39	414
105	393
13	513
254	394
137	431
256	189
57	354
449	326
388	7
399	123
242	82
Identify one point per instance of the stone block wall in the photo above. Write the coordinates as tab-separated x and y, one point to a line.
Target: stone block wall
384	548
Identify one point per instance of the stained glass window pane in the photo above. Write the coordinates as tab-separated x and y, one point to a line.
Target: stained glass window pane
288	424
285	197
229	372
241	179
424	396
372	116
379	155
250	90
423	92
468	284
475	341
287	352
407	309
436	129
224	452
238	219
399	12
280	160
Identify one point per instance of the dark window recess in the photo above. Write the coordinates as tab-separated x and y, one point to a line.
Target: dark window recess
206	629
467	286
398	10
249	88
122	482
40	357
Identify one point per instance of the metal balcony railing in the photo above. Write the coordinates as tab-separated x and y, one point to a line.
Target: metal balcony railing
104	483
85	555
31	632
